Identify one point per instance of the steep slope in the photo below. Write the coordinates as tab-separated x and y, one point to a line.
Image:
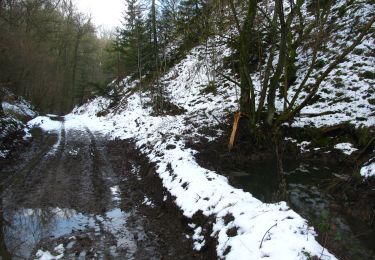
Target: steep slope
17	111
243	226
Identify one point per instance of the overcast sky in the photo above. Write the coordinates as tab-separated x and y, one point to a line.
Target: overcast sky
105	13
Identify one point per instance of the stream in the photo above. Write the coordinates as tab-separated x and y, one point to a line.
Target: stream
306	184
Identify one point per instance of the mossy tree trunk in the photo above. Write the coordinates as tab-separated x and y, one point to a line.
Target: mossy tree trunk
247	97
283	33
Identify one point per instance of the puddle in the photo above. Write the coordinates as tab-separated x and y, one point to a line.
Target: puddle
27	227
305	189
26	230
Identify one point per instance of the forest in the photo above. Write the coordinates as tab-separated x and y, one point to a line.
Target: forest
50	53
209	129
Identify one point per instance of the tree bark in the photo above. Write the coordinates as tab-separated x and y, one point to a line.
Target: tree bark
247	96
315	87
2	94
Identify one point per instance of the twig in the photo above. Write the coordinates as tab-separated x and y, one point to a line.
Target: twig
228	78
261	242
365	148
206	114
325	241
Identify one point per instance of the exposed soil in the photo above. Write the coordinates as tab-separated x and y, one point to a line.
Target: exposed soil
93	197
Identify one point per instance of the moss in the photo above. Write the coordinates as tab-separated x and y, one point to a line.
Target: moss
341	100
367	74
339	73
337	79
354	88
363	136
339	94
319	64
371	101
358	51
210	88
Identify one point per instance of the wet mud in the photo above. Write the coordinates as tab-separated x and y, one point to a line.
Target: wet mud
78	195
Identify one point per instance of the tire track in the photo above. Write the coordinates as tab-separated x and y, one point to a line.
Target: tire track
102	173
25	174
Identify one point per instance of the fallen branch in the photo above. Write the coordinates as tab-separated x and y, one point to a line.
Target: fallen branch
261	242
365	148
228	78
329	129
211	114
318	114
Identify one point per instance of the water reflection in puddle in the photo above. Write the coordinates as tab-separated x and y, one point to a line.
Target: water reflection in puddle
27	227
27	230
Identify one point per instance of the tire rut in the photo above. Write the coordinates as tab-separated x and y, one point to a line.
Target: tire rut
85	196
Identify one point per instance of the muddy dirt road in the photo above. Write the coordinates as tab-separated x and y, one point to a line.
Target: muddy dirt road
76	195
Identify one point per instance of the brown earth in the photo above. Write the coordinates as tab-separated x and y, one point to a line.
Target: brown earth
66	196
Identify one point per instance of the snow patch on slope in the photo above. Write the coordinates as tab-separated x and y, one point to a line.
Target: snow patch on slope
162	139
346	148
368	170
45	123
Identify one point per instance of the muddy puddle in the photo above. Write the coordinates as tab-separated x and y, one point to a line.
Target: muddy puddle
72	234
306	191
73	194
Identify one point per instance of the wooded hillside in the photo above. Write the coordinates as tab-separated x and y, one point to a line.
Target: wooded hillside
50	53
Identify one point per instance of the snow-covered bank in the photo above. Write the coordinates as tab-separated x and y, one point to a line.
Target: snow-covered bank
262	230
368	170
196	188
244	227
16	112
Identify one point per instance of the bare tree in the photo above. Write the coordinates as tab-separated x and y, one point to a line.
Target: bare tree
287	32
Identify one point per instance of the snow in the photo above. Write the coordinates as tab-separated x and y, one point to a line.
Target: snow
195	188
4	153
368	170
20	107
346	91
46	255
199	241
45	123
303	146
346	148
96	105
148	202
9	125
16	110
263	230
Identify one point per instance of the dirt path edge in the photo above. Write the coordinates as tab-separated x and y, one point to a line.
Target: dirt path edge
165	212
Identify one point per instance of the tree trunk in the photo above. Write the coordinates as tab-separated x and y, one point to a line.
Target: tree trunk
4	253
247	98
75	62
271	110
2	94
156	56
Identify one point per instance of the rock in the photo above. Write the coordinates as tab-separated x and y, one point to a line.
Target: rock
171	147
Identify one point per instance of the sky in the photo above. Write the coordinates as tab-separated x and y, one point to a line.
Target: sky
105	13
